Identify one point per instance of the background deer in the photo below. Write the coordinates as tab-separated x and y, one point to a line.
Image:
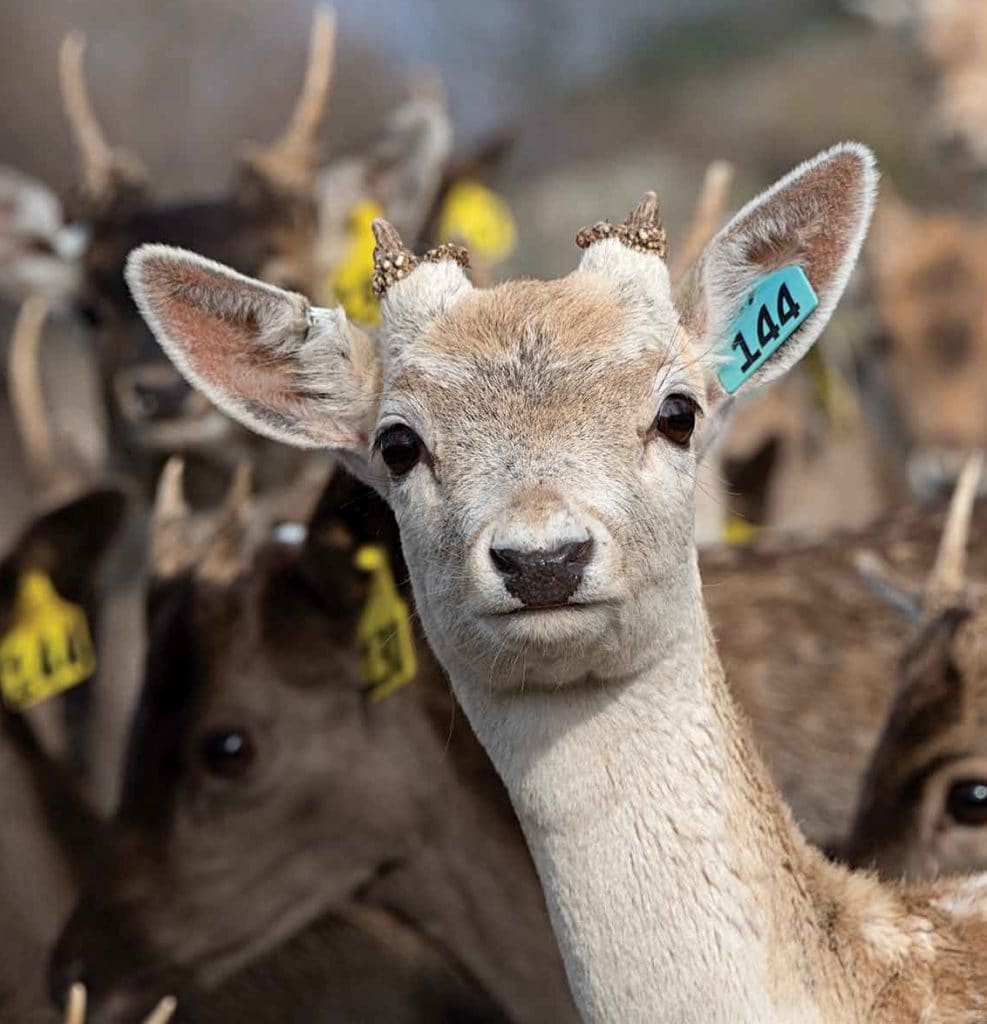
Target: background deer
922	805
274	815
50	835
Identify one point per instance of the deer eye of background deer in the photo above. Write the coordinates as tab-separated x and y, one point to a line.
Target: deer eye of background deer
400	448
226	753
966	802
676	420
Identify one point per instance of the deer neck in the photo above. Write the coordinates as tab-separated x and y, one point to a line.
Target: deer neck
678	886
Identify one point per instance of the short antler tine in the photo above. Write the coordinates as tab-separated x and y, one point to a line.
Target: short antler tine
75	1011
163	1012
948	577
228	546
642	231
26	391
171	549
392	259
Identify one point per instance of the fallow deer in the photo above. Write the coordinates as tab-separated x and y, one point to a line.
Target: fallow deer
812	657
923	805
49	834
923	373
536	442
270	805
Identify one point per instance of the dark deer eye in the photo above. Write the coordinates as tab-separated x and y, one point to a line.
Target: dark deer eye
400	448
966	802
226	753
676	419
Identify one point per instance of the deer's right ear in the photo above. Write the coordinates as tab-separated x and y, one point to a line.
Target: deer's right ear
766	285
290	371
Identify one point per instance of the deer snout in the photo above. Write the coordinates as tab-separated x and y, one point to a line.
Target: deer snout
542	577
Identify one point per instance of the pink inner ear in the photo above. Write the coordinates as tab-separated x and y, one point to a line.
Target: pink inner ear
814	221
220	325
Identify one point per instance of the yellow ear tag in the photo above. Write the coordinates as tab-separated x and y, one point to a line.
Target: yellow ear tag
351	280
738	531
480	219
384	629
48	650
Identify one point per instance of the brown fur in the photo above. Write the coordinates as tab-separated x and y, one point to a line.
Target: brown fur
812	654
351	807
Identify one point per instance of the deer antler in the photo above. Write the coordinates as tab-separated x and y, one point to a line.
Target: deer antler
707	215
170	543
104	168
641	231
948	577
393	261
75	1011
288	163
223	555
26	391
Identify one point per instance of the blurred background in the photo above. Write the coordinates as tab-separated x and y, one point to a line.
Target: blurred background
508	125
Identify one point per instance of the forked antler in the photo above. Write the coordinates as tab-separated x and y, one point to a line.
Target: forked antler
104	168
75	1011
26	390
288	164
707	216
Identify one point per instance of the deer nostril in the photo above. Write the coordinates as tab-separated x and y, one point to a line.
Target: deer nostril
544	576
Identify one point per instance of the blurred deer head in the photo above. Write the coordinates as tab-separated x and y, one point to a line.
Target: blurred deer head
923	807
924	371
264	788
284	220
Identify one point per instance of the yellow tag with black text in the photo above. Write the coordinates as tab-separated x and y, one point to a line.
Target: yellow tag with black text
48	650
384	629
352	280
480	219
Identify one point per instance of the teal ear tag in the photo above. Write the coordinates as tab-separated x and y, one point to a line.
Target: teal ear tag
775	308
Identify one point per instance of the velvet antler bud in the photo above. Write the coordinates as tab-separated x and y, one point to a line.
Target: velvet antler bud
642	231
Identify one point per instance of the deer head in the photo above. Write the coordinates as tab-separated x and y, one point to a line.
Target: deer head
259	763
925	369
534	439
923	806
953	37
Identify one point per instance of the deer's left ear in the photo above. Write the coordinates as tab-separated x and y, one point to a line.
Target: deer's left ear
765	286
288	370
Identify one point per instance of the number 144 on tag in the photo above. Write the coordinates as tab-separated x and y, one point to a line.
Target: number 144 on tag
777	305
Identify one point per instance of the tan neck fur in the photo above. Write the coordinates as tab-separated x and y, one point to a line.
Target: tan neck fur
678	885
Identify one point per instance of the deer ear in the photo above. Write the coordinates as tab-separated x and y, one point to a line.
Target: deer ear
765	286
290	371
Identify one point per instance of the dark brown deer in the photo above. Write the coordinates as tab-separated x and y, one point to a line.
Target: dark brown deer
49	834
267	800
923	806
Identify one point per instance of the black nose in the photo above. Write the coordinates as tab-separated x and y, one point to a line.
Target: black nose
540	579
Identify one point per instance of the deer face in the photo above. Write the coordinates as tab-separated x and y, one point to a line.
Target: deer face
256	764
536	441
953	37
924	807
930	359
